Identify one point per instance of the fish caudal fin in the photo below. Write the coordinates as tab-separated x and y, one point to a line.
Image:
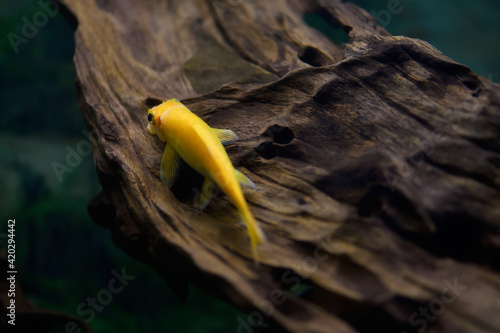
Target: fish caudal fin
254	232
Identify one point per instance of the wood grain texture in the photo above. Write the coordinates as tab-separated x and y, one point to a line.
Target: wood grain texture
376	162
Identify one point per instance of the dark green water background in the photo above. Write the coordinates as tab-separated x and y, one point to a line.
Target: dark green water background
62	256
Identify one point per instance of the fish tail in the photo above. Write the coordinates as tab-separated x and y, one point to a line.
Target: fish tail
254	232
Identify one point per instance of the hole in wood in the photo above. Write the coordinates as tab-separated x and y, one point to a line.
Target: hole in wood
470	84
327	27
267	150
280	134
370	205
314	57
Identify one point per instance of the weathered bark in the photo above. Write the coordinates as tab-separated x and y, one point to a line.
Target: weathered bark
376	163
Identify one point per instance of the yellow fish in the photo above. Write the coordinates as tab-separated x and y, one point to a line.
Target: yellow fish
189	138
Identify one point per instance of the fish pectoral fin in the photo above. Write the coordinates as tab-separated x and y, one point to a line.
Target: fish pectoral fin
244	180
208	191
170	164
226	137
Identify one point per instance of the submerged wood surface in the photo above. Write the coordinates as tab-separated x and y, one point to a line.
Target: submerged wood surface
376	163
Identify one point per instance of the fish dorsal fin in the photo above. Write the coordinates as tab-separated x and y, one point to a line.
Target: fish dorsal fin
170	164
225	136
244	180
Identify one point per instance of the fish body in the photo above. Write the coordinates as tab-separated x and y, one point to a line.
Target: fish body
190	139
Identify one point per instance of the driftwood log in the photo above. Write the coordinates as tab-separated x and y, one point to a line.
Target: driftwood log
376	163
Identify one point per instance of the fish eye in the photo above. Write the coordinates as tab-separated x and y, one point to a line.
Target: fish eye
150	117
